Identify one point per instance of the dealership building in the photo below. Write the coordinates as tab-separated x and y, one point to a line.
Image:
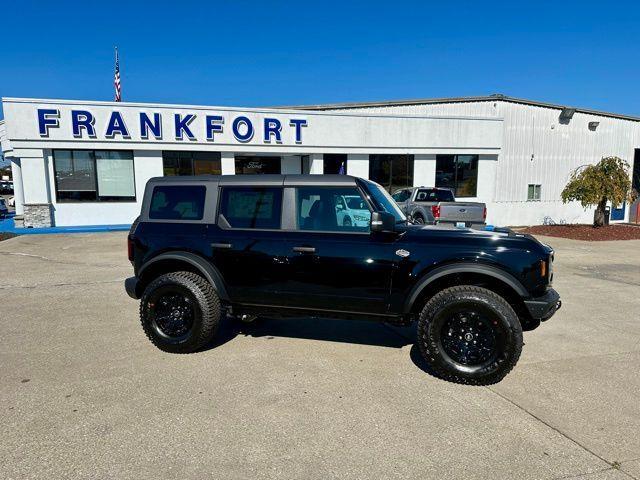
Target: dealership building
78	163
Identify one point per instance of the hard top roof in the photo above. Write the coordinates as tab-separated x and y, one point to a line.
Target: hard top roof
263	180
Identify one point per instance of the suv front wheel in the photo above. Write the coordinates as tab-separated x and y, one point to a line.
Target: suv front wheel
180	312
469	335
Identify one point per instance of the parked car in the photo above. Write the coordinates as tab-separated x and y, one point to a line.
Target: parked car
433	205
212	247
4	211
352	210
6	187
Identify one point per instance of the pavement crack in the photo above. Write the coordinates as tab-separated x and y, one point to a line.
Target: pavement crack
555	429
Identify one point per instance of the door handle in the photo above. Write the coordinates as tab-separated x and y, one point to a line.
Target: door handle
222	246
304	249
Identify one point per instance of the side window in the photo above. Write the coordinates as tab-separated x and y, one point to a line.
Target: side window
323	209
252	207
402	196
177	202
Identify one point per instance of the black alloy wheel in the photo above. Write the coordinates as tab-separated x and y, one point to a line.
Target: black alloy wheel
469	334
180	312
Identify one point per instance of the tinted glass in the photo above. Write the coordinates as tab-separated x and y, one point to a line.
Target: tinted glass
393	172
335	163
402	195
177	202
434	195
75	175
458	172
383	201
332	210
191	163
255	164
252	207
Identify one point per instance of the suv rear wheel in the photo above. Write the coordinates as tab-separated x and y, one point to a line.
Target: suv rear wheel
180	312
469	335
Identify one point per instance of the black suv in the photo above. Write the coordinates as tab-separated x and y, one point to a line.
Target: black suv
244	246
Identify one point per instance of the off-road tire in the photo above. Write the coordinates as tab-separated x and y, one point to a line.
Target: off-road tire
418	220
432	319
206	312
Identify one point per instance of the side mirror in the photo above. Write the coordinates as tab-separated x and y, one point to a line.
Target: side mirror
382	222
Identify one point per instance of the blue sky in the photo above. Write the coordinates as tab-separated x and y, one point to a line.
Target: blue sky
278	53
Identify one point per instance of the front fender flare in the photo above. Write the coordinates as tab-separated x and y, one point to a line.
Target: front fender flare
440	272
208	271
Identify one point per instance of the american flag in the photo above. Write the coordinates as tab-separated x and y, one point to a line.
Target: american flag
116	79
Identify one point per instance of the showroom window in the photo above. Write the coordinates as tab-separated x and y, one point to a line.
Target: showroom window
459	173
533	193
334	163
256	164
94	176
177	202
191	163
393	172
252	207
327	209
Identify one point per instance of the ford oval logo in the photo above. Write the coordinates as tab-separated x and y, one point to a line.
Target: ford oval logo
462	210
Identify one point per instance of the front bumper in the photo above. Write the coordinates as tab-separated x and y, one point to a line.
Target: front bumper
542	308
131	286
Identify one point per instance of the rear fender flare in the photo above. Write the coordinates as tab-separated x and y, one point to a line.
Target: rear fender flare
440	272
208	271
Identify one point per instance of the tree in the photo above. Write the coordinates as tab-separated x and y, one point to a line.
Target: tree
607	181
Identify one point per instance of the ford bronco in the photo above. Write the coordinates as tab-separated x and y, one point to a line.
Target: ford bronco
206	248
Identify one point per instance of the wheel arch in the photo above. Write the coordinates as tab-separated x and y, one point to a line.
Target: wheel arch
488	276
181	261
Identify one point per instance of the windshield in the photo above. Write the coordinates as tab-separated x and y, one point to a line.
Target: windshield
383	201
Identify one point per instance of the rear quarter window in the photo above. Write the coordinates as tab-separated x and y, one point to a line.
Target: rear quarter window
252	207
177	202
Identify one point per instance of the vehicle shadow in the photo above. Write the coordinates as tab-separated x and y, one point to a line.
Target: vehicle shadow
342	331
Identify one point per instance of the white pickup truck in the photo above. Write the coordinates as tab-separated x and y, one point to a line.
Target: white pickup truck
432	205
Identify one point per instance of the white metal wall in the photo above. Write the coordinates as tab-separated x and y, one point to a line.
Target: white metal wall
537	149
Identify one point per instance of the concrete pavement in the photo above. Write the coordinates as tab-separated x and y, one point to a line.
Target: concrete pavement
85	395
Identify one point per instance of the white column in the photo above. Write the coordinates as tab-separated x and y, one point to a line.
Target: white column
228	163
35	179
316	164
291	164
358	165
18	191
424	170
487	168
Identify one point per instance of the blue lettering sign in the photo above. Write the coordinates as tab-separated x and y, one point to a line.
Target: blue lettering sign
45	121
154	126
298	124
182	125
81	119
116	125
272	126
213	124
242	137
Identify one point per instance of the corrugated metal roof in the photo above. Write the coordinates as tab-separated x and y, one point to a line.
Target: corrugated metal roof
426	101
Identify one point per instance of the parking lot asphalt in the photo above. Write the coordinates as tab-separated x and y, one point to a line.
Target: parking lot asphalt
84	394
